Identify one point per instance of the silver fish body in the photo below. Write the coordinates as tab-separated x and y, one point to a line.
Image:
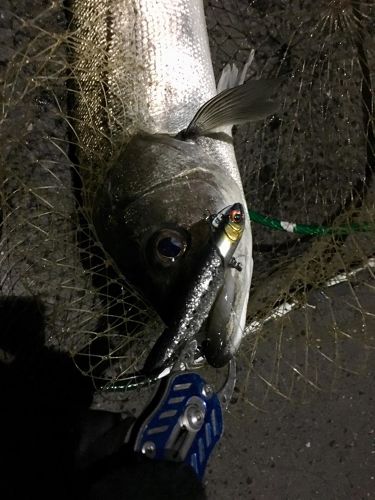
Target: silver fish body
159	73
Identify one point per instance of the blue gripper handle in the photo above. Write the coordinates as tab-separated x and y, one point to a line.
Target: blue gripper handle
184	423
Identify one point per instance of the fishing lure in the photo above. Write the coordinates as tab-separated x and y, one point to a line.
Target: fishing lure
227	229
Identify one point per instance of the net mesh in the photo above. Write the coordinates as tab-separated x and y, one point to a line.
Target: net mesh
311	163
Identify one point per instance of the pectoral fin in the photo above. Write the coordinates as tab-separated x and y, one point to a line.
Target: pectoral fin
244	103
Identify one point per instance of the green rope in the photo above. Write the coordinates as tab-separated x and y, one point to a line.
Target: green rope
129	384
308	229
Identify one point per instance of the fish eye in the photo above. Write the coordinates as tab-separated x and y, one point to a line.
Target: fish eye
236	216
169	245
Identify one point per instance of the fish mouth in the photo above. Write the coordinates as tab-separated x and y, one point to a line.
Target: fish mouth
225	324
209	301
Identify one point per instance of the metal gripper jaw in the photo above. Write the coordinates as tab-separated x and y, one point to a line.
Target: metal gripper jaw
184	423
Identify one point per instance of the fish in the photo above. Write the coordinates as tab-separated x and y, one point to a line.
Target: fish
175	162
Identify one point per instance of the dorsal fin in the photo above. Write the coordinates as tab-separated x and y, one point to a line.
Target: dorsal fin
230	76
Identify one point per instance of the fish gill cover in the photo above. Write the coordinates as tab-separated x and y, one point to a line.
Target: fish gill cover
312	164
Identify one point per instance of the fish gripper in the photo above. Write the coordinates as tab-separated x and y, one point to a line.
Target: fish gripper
183	423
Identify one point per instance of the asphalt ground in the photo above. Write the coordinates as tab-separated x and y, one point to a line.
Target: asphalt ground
303	442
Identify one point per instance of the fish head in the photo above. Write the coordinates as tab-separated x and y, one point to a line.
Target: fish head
154	216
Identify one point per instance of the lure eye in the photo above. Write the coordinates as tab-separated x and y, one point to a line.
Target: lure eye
236	216
169	245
